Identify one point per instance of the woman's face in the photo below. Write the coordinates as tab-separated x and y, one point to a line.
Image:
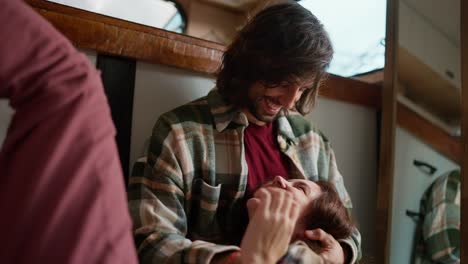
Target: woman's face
302	191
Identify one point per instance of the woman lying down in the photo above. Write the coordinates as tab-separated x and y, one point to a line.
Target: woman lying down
282	212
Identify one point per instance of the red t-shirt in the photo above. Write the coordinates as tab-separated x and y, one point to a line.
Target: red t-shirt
264	158
264	161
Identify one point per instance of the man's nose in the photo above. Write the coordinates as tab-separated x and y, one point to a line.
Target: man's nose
289	99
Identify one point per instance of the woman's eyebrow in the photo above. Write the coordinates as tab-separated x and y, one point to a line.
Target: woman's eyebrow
303	184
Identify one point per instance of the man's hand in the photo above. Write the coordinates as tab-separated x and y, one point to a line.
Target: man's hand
331	250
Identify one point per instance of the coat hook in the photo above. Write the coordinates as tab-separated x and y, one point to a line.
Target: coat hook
416	216
425	167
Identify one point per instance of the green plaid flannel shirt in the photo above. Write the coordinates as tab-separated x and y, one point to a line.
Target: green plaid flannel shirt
184	199
439	238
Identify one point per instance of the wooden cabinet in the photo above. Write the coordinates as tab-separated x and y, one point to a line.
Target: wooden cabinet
429	60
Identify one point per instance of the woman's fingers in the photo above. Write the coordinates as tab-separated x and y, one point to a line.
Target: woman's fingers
271	201
294	212
265	199
287	204
252	206
278	198
273	214
274	202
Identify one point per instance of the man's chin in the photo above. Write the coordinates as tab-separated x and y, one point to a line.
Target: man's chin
266	118
262	115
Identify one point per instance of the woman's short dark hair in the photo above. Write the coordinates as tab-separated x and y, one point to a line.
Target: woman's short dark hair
282	44
328	213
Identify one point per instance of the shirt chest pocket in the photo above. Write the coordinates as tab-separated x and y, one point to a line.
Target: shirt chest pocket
203	223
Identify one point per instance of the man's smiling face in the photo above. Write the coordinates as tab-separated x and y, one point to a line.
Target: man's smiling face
265	102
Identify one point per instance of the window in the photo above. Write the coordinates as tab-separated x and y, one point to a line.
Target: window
357	32
165	14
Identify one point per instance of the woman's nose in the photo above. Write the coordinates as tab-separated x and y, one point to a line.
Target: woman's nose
280	182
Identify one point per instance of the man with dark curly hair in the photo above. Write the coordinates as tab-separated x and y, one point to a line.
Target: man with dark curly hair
208	157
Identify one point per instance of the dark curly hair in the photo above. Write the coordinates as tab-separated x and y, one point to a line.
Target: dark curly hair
282	44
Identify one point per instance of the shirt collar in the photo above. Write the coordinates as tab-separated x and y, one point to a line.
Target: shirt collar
285	129
224	113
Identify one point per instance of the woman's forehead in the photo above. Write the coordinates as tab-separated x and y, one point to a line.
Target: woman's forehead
308	182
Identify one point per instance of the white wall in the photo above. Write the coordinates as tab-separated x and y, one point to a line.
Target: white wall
159	89
409	184
351	129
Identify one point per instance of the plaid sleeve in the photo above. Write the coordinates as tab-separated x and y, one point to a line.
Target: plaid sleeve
300	252
441	225
158	202
354	243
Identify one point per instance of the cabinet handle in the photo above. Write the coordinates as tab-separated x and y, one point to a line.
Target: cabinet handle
416	216
425	167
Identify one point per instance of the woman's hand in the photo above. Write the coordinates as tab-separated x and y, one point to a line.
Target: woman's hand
273	216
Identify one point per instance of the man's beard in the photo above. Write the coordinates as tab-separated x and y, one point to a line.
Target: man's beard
255	109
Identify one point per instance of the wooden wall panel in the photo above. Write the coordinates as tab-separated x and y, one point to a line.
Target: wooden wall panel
121	38
387	138
429	133
352	91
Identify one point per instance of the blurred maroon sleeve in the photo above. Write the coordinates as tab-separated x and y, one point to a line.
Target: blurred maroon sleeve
62	195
